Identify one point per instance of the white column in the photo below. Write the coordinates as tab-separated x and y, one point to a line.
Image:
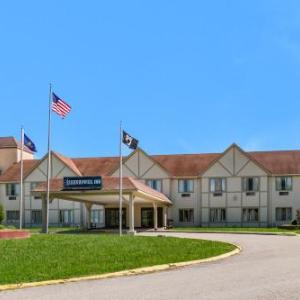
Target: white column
165	216
155	215
131	216
88	207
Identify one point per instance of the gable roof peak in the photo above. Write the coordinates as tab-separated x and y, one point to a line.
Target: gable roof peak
67	161
234	145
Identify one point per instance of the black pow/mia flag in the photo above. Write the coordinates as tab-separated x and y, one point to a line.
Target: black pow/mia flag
130	141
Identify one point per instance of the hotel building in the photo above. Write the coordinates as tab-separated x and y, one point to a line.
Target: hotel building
232	188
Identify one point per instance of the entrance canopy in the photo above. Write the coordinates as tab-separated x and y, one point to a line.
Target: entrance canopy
108	194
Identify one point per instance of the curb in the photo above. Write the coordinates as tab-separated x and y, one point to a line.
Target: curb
229	232
137	271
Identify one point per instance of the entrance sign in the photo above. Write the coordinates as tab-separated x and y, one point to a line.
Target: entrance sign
83	183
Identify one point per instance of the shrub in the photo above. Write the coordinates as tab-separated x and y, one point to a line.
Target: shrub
294	222
1	213
298	216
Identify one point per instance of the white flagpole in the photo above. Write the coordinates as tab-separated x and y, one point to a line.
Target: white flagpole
21	179
121	182
49	161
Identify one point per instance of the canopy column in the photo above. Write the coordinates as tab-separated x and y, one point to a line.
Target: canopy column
131	215
165	217
155	215
88	208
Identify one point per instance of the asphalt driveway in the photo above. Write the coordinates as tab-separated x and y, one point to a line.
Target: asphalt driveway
267	268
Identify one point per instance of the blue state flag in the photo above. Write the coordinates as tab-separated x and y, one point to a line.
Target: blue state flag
29	143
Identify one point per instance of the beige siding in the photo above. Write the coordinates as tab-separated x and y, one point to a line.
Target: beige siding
233	166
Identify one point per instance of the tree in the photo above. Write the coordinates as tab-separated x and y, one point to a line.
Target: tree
1	213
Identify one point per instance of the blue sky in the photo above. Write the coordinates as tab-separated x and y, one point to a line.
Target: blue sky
184	76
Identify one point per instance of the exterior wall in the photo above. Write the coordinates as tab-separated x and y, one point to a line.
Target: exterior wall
233	166
59	170
142	167
192	201
26	155
291	200
8	156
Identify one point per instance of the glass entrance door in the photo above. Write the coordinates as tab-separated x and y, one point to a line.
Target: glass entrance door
147	217
112	217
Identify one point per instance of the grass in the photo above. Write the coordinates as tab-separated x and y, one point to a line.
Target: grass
237	229
57	256
7	227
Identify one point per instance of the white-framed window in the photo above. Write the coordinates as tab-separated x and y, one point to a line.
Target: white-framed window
283	213
36	216
217	215
66	216
12	215
185	185
217	185
155	184
186	215
250	184
33	185
12	189
97	216
284	183
250	215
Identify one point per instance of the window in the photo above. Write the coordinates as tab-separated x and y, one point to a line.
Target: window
12	215
186	215
36	216
283	213
97	216
250	184
217	215
12	189
33	185
185	185
66	216
283	183
250	214
155	184
217	185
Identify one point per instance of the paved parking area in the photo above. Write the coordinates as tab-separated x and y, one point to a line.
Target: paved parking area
267	268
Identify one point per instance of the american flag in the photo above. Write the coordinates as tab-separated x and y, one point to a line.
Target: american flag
59	106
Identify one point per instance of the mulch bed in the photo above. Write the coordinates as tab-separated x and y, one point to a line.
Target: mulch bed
14	234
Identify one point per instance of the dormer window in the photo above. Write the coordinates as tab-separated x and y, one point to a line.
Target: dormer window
155	184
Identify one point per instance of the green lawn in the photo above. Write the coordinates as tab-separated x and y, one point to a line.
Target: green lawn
56	256
7	227
236	229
